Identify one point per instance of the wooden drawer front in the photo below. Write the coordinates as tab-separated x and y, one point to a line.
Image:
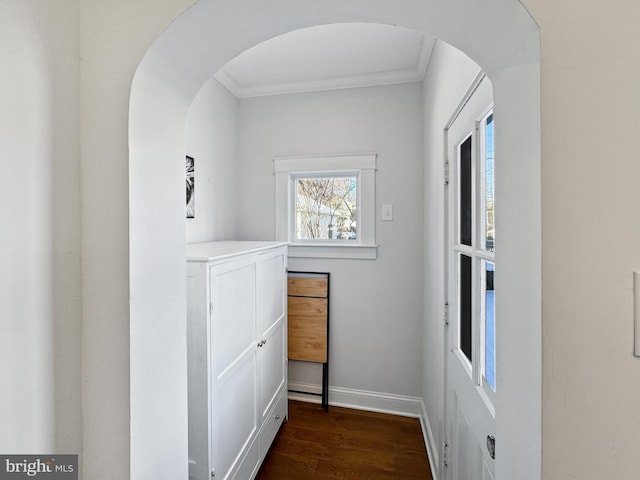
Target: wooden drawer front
308	286
308	329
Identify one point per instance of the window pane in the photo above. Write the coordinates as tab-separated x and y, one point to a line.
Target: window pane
326	208
489	164
490	326
466	205
466	298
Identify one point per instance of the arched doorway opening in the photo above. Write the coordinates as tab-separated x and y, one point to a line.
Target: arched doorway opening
501	38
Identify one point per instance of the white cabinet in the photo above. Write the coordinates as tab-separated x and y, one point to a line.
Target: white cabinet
237	355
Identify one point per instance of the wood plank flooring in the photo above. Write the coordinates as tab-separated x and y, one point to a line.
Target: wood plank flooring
346	444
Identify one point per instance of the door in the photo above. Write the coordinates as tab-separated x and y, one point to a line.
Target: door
470	338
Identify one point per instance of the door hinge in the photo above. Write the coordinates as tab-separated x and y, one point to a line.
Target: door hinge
446	313
213	473
445	172
444	455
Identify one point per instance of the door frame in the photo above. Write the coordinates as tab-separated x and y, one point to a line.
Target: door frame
158	106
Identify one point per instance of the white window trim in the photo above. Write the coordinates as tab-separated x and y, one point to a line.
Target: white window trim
287	169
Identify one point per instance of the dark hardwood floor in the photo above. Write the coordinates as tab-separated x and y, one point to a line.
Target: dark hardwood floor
346	444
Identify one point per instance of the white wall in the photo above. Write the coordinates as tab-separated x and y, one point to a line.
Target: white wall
376	305
212	139
591	237
449	76
160	351
114	37
40	293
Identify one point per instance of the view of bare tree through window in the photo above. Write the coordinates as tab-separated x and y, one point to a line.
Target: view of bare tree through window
326	208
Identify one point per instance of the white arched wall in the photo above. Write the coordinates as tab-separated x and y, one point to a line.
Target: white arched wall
499	35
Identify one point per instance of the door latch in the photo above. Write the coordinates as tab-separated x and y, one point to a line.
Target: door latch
491	446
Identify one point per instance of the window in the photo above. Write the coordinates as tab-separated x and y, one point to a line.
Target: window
488	244
489	228
325	206
474	250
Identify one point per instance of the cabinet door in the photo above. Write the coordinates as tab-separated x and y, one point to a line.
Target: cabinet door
272	326
271	361
234	363
272	288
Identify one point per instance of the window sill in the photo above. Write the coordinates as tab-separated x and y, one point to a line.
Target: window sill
354	252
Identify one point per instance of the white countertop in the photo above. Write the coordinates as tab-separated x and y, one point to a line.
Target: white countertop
207	251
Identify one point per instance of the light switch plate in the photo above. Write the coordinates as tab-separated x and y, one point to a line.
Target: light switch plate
387	213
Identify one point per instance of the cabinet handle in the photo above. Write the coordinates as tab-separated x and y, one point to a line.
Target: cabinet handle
277	417
261	344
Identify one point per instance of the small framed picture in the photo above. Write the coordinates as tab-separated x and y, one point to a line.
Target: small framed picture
190	187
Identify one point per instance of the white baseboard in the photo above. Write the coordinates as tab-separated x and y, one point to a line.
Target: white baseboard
429	441
360	399
313	392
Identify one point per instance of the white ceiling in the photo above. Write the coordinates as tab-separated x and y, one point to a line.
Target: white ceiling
329	57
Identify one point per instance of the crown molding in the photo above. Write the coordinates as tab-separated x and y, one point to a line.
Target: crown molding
337	83
227	82
426	49
374	79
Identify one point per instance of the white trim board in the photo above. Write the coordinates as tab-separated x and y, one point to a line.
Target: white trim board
403	405
287	168
429	441
325	163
